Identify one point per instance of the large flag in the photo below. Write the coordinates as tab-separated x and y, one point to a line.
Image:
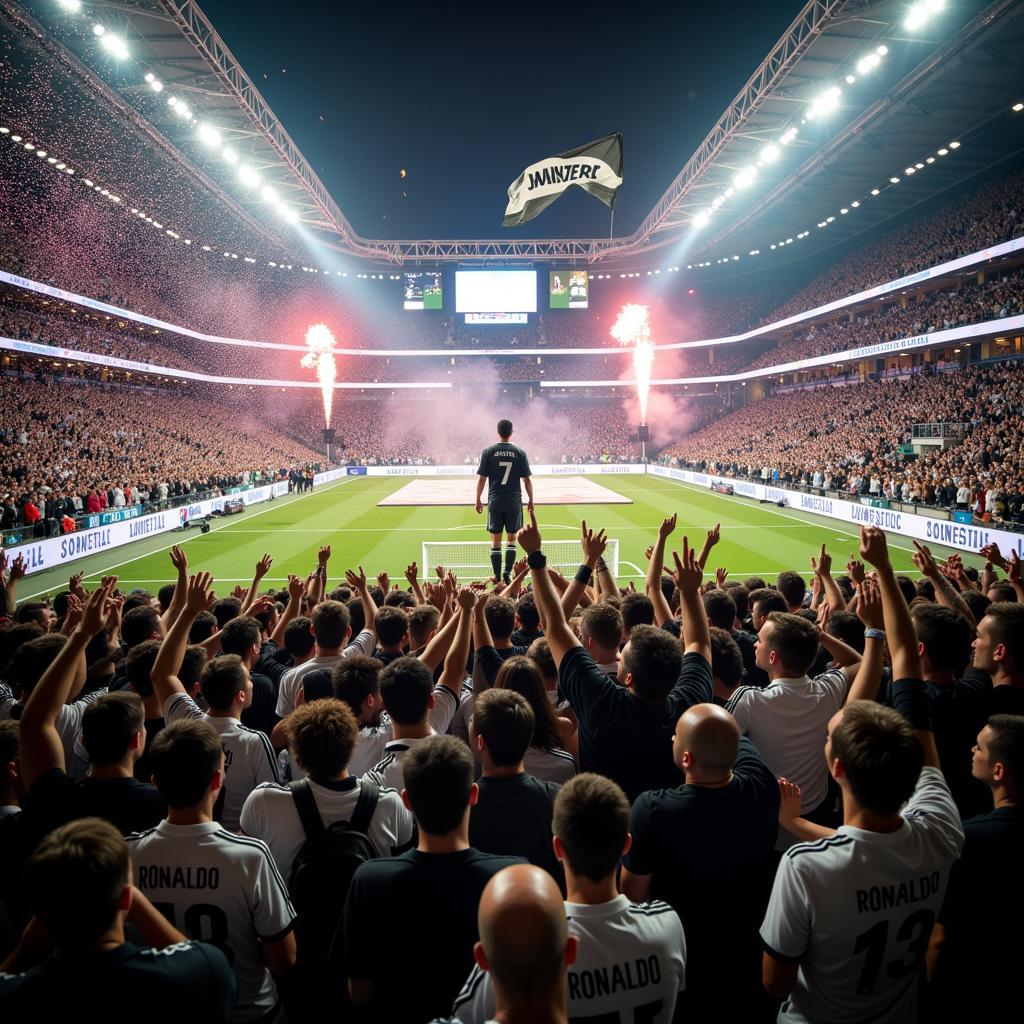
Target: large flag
596	168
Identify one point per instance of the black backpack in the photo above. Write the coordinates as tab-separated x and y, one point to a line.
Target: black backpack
323	868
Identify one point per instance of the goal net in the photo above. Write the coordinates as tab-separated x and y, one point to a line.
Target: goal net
472	559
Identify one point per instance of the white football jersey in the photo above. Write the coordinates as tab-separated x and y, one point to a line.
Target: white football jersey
249	758
631	965
555	765
291	681
270	814
220	888
856	910
388	771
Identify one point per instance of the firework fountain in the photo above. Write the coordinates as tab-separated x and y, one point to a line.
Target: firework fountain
320	358
632	328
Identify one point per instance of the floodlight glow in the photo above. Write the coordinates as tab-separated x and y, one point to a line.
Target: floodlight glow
919	166
149	76
73	6
845	210
850	79
954	145
745	177
825	103
247	176
770	153
229	155
288	214
156	85
943	151
788	136
868	63
183	110
855	203
1018	107
882	50
98	29
40	152
208	135
114	45
908	170
30	146
876	192
929	160
894	180
702	218
921	13
268	194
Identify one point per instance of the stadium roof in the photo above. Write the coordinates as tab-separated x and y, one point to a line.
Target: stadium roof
951	79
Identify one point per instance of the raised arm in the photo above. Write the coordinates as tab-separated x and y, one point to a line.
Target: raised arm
899	629
1014	576
41	747
412	576
945	593
180	562
296	588
869	673
262	568
688	577
439	644
662	611
16	572
528	484
713	537
560	637
455	663
593	545
199	597
822	566
357	581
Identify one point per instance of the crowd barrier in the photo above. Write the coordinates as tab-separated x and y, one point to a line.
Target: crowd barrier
962	536
56	551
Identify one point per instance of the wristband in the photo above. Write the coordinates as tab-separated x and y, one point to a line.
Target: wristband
536	559
584	574
874	634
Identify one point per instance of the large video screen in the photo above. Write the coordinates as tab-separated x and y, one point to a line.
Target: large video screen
495	291
567	289
421	291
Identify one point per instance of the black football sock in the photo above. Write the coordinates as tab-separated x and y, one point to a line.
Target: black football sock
496	561
510	557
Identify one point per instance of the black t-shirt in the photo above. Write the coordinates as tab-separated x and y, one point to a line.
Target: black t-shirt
261	714
982	911
513	817
525	637
153	726
270	664
191	982
622	736
416	915
710	854
504	465
752	675
386	657
129	805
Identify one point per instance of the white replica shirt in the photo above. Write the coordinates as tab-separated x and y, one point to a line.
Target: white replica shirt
388	771
631	966
555	765
270	814
291	681
856	910
788	721
220	888
249	758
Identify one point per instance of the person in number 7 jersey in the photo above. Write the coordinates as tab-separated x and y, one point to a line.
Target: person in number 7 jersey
852	910
502	466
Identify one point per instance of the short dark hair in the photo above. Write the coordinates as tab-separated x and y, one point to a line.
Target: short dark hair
138	665
137	598
1005	625
654	659
139	624
637	610
770	601
222	678
591	819
438	774
423	620
13	637
602	622
1007	744
356	614
204	626
317	685
726	659
322	735
539	652
184	757
500	616
752	583
405	688
739	595
225	609
975	600
720	609
925	588
298	640
330	624
881	755
391	625
504	429
795	640
32	611
528	613
945	634
908	587
240	635
845	626
32	659
505	720
399	599
1002	591
792	587
355	678
75	879
108	725
192	665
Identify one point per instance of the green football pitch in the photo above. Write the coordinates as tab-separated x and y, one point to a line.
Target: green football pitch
759	540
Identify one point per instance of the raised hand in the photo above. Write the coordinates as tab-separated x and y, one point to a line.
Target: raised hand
1013	568
94	614
412	572
855	570
296	587
179	560
73	616
688	574
721	575
323	555
18	568
822	565
239	591
593	544
824	613
384	582
714	534
529	536
520	567
75	587
789	801
869	606
467	599
873	547
357	581
991	553
924	561
667	526
263	566
649	552
199	597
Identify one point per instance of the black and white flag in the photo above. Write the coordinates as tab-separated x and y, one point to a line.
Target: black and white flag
595	167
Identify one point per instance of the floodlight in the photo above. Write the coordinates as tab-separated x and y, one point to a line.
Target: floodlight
746	176
894	180
248	176
156	85
114	45
702	218
98	29
824	103
30	146
882	50
929	160
72	6
850	79
209	136
40	152
868	63
855	203
921	13
149	76
1018	107
229	155
943	151
770	153
268	194
919	166
183	110
954	145
845	210
288	214
908	170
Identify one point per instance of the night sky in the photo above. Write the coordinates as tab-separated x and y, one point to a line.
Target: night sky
463	102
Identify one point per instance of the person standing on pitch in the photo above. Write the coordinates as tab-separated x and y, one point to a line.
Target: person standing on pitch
502	466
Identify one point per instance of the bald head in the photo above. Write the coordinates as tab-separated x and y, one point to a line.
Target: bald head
523	934
706	742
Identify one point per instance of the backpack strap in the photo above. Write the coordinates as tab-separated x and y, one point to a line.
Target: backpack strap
305	804
369	794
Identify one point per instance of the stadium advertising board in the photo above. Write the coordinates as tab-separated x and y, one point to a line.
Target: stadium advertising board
422	291
951	534
495	291
54	551
556	469
568	289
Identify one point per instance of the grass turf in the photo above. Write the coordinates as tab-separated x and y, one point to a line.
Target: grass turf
756	539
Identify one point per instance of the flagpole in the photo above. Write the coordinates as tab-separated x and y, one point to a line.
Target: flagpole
611	226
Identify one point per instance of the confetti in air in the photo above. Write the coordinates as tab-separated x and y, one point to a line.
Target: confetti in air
633	328
320	357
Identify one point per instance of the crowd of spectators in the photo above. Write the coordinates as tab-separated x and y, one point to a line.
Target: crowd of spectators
855	438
